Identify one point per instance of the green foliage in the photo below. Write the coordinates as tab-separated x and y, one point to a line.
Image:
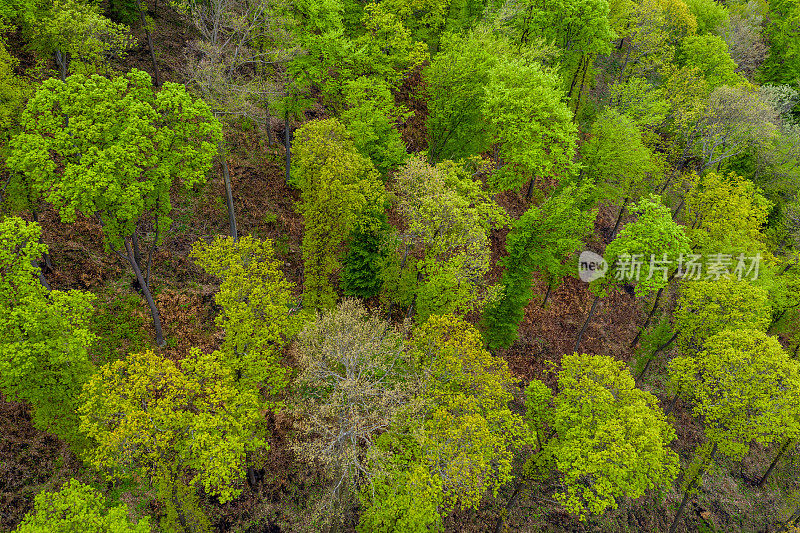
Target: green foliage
369	118
44	335
706	307
339	187
612	439
112	148
388	50
782	65
449	218
652	339
617	159
579	28
727	214
159	420
641	101
530	123
539	241
469	431
78	508
118	326
711	16
455	81
183	511
403	500
78	32
710	55
13	91
745	388
366	253
424	18
255	299
653	235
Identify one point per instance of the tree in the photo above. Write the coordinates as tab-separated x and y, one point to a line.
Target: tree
449	218
453	442
111	149
687	94
706	307
737	120
367	251
644	246
455	81
711	17
530	124
158	420
338	187
79	37
743	35
468	430
745	388
782	65
369	118
579	28
353	369
255	299
710	55
611	439
540	240
227	64
727	214
650	46
639	100
618	161
13	92
44	335
79	508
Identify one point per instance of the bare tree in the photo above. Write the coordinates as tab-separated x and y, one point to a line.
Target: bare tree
231	63
743	35
736	119
351	385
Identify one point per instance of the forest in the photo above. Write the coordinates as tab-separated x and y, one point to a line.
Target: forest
399	266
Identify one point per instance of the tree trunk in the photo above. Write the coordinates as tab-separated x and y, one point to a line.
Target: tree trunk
45	255
502	518
649	317
776	319
653	355
619	218
228	194
671	405
547	294
150	251
678	514
580	93
137	253
680	206
529	194
688	490
287	143
772	465
62	61
147	296
270	139
575	78
156	73
585	324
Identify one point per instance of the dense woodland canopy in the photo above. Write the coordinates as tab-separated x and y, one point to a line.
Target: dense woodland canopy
316	265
